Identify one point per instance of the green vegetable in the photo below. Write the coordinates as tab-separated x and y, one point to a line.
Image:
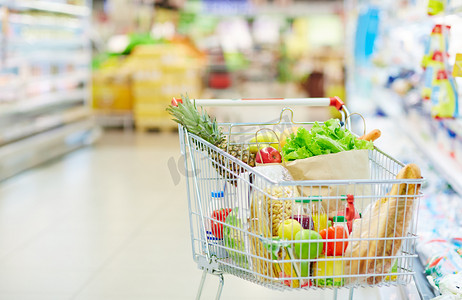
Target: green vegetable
322	139
234	238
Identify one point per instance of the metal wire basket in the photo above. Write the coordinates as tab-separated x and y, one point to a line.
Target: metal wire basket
236	211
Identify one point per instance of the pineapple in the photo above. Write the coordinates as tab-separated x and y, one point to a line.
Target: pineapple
200	124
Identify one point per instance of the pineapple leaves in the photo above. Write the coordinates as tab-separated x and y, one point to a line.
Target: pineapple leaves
198	123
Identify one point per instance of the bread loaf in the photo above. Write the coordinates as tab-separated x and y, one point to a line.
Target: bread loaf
387	218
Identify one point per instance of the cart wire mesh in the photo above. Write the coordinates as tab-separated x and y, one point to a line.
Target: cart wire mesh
236	212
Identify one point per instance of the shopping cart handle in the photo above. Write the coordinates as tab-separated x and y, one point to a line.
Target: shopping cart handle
336	102
332	101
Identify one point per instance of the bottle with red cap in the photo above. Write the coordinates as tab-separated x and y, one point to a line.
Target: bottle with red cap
349	211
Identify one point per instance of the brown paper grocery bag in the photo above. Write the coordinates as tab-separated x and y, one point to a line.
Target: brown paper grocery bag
353	164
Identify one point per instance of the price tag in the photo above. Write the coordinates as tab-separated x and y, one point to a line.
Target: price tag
457	71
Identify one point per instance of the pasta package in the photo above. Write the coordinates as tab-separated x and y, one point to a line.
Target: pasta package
266	212
387	218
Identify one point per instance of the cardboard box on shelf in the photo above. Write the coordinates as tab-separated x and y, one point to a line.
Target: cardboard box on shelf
159	73
111	92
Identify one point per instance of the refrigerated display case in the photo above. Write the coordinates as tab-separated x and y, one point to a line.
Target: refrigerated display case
386	76
44	81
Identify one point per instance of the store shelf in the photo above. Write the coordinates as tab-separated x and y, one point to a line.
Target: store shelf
42	124
446	166
48	56
75	77
66	23
426	292
75	10
61	42
27	153
44	101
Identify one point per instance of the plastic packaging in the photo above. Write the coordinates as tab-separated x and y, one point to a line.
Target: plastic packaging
444	96
234	238
329	268
302	213
349	212
318	214
216	246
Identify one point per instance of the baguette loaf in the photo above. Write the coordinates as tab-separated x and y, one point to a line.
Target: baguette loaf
387	218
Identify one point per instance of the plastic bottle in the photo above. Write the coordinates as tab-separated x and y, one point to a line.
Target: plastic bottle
302	213
349	212
217	201
340	221
318	214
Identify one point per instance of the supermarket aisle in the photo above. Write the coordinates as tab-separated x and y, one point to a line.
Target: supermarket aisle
107	222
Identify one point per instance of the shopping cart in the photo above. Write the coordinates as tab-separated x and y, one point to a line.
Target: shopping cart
235	211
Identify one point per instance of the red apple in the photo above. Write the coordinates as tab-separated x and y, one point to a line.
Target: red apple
268	155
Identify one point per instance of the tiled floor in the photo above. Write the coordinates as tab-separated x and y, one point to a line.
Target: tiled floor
108	222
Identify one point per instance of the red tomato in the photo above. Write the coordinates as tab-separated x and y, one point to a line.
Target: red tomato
219	215
334	248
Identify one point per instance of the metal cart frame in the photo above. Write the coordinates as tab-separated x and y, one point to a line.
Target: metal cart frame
220	247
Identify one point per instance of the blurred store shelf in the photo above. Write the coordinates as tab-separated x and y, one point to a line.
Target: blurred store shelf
45	82
44	101
48	6
29	152
443	162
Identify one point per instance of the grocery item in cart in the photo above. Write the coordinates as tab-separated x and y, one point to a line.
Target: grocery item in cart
328	267
302	213
349	212
280	250
328	152
236	238
218	216
216	246
388	217
338	231
266	212
184	112
276	210
318	214
309	245
352	164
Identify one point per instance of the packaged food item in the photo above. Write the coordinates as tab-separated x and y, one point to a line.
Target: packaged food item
302	213
328	268
266	212
216	246
353	164
236	239
394	269
318	214
386	218
349	212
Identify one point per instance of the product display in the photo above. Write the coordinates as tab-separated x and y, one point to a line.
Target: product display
44	82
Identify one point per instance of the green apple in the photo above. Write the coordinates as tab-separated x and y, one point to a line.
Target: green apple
267	138
305	269
289	229
306	248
